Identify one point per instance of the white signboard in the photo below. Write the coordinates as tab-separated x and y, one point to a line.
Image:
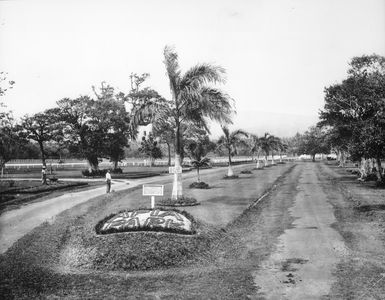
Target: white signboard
175	170
152	190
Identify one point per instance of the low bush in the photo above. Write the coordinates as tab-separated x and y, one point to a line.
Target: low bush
94	173
246	172
231	177
199	185
182	201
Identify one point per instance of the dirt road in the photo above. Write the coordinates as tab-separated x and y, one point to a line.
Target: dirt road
306	254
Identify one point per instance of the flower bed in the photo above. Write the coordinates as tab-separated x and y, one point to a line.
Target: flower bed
173	221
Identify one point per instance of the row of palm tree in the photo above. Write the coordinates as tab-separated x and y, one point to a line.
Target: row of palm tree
266	145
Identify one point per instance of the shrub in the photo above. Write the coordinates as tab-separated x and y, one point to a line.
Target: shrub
117	171
94	173
199	185
231	177
246	172
182	201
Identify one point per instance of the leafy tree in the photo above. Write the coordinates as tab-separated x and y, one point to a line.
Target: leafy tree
95	128
230	141
8	84
313	142
117	125
149	147
282	147
10	141
354	109
40	127
193	100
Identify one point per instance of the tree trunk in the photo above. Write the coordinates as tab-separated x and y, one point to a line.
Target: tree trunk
266	161
272	157
258	161
93	163
115	164
169	154
362	169
230	169
199	178
41	146
313	159
380	178
177	191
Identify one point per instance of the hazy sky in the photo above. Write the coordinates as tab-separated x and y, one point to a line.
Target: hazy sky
279	55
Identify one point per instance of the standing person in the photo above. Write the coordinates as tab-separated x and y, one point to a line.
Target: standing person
43	176
108	181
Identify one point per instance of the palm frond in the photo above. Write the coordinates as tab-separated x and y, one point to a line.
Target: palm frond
172	67
202	74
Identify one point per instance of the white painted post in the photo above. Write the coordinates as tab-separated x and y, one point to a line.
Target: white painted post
152	202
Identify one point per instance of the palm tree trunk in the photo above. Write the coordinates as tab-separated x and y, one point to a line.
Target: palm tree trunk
230	169
199	178
177	191
258	161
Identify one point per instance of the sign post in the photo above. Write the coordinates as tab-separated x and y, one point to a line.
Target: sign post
153	190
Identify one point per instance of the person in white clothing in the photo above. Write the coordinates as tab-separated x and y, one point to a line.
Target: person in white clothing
108	181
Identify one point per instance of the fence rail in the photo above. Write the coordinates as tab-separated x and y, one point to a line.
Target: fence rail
76	163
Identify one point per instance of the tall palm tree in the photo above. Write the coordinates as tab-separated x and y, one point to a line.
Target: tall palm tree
230	141
193	101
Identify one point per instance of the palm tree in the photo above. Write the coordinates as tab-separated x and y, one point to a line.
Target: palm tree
230	141
197	151
194	100
254	146
268	143
282	146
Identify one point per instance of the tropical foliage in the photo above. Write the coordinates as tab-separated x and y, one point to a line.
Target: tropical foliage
194	101
354	111
230	141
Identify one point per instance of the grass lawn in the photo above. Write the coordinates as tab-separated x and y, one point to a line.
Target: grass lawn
76	172
26	191
56	257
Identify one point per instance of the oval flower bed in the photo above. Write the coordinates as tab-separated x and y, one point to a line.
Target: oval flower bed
147	220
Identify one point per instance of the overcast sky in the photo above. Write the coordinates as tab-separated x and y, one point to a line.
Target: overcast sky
279	55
